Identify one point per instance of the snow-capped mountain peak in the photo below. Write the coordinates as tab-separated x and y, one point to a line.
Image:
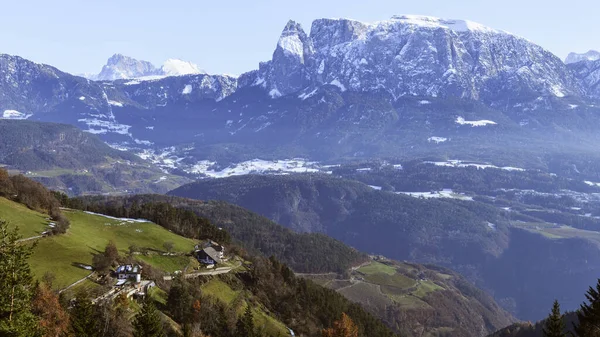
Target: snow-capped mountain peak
434	22
590	55
176	67
120	67
413	55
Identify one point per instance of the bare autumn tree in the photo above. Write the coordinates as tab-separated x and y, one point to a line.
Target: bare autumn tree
54	319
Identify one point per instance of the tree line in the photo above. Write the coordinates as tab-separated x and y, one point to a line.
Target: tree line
35	196
179	220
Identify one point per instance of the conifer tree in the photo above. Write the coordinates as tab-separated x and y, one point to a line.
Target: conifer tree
83	320
147	322
245	324
554	325
589	314
16	285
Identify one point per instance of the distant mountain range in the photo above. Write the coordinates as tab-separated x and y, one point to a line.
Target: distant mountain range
347	89
590	55
120	67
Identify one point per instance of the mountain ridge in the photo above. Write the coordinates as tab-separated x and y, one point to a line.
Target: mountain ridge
120	67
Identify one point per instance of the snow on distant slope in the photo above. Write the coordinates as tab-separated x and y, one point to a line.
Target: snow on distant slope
176	67
483	122
256	166
590	55
14	114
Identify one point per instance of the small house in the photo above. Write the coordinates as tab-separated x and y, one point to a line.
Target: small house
129	272
217	247
208	256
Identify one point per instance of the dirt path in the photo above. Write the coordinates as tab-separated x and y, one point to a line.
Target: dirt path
31	238
76	283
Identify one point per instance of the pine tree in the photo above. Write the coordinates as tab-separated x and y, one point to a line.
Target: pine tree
16	285
554	325
245	324
83	320
147	322
589	314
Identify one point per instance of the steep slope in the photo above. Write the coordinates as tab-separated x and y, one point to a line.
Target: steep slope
478	240
418	56
420	299
65	158
277	298
588	72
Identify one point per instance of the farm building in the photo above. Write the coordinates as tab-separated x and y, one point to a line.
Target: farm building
208	256
129	272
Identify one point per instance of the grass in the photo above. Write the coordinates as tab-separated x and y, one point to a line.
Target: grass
560	232
30	223
377	267
220	290
262	320
410	302
426	287
158	295
88	235
396	280
165	263
55	173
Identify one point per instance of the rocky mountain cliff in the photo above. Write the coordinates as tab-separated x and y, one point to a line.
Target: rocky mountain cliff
348	89
415	56
120	67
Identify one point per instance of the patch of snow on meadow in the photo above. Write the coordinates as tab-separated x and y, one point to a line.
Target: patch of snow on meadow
130	220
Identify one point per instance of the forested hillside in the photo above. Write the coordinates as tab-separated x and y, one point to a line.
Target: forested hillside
399	294
275	299
493	247
65	158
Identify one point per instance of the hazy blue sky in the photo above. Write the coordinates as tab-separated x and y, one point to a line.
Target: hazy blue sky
224	36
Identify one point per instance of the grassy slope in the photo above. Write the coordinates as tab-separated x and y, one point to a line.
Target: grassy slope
415	291
224	293
30	223
88	235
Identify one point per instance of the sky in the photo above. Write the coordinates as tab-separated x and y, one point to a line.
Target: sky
225	36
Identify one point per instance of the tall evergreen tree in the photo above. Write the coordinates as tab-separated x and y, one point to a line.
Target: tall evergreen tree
554	325
83	318
16	285
589	314
147	322
245	324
